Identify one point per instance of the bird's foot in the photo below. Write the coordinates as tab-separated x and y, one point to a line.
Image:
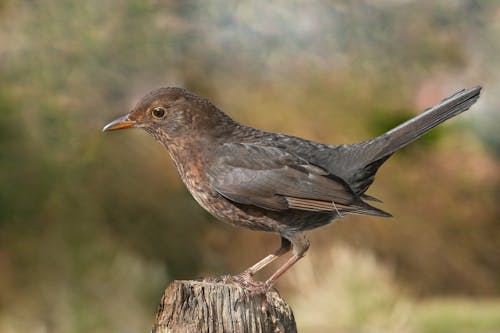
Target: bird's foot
250	286
244	280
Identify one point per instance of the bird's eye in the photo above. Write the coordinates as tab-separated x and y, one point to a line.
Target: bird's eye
159	112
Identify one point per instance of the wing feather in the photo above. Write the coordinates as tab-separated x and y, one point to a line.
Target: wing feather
271	178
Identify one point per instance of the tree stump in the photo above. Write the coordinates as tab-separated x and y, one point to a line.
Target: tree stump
199	307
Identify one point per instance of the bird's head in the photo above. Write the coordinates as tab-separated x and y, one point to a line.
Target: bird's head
173	113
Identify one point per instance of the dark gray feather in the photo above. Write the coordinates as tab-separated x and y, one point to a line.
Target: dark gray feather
272	178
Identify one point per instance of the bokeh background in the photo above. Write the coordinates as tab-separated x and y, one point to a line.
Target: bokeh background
93	226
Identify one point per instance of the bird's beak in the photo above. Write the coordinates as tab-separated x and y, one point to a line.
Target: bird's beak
119	123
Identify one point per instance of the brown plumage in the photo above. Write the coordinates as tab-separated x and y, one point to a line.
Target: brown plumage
268	181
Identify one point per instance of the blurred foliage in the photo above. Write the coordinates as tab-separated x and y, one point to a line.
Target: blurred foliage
93	226
452	315
349	290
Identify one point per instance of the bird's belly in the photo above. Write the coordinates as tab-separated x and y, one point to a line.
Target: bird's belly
231	213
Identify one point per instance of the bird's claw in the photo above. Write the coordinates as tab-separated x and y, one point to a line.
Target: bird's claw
244	280
250	286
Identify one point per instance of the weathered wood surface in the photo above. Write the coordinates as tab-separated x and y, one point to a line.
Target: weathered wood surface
202	307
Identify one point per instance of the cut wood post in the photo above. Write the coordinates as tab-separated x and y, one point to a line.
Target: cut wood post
202	307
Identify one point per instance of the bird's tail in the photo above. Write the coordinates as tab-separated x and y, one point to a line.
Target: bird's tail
414	128
377	150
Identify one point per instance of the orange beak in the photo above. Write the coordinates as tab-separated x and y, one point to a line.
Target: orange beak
119	123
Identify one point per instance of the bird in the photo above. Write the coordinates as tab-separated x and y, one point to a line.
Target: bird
268	181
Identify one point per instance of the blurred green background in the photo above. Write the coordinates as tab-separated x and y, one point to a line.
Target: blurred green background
93	226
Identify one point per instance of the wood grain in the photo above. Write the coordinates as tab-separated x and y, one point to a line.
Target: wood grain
199	307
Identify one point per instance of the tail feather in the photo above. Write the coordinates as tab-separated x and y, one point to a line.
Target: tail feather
366	210
367	197
370	155
412	129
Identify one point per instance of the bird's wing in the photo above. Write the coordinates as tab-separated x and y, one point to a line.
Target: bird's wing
271	178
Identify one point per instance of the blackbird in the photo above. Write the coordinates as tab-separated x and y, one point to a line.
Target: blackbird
269	181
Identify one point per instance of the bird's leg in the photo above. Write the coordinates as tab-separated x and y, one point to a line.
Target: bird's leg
300	246
284	248
246	277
